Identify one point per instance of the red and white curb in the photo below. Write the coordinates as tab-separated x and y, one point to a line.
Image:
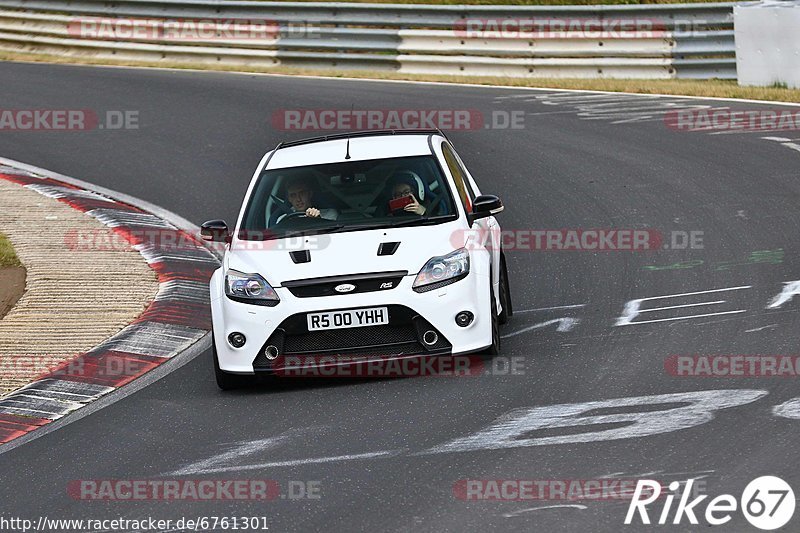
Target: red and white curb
177	319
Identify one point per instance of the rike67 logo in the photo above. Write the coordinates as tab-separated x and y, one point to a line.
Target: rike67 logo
767	503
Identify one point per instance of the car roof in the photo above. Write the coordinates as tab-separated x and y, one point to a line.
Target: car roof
362	146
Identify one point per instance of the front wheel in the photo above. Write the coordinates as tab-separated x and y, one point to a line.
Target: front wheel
505	293
494	348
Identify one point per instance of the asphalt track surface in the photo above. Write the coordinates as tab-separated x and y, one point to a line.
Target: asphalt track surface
199	139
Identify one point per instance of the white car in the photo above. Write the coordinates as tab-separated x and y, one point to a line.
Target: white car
374	244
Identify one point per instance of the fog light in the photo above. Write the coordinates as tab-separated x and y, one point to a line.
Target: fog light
237	340
464	319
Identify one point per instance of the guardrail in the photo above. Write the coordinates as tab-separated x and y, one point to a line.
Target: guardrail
620	41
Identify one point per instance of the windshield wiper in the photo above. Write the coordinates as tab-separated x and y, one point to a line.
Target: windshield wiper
311	231
420	221
355	227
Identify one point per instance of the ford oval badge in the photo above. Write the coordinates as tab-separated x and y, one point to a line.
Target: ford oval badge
344	287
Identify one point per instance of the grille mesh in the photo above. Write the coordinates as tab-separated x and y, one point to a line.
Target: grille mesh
337	339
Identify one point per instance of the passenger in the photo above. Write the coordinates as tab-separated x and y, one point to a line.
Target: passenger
406	184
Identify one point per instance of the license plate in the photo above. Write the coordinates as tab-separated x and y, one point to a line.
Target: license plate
354	318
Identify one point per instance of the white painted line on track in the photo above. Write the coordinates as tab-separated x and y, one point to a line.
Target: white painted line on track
565	324
695	293
576	306
557	506
242	450
302	462
684	317
761	328
793	146
789	409
667	308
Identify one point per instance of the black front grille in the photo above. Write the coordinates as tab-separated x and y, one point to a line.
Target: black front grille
338	339
402	336
313	287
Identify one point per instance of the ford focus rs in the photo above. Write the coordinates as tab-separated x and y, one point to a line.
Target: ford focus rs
374	244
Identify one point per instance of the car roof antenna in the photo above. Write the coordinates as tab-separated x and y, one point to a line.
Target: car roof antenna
347	152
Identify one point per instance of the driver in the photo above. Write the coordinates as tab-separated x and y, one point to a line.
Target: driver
300	194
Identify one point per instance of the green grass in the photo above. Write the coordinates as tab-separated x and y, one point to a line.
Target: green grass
8	258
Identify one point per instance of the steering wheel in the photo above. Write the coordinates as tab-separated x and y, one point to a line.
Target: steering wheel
293	214
299	216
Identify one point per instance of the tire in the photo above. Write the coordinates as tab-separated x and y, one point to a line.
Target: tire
226	381
494	348
505	294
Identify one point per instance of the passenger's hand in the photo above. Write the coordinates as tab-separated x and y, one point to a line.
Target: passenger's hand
312	212
415	206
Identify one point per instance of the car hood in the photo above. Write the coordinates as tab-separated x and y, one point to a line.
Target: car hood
338	254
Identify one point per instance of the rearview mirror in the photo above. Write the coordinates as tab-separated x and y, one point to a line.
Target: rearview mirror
215	231
484	206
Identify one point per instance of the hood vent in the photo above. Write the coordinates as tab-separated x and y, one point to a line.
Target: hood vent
388	248
300	256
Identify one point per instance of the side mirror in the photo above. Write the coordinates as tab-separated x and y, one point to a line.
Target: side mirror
215	231
484	206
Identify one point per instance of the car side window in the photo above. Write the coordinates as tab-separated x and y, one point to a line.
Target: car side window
472	187
459	177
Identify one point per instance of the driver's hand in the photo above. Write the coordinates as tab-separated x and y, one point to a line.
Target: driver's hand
415	206
312	212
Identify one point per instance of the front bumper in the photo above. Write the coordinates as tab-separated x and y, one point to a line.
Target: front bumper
411	314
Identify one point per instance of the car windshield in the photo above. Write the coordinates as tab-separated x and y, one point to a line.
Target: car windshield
347	196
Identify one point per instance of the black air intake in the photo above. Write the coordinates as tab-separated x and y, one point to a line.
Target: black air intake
300	256
388	248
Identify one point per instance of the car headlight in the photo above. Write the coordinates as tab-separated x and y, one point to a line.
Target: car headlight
249	288
444	270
